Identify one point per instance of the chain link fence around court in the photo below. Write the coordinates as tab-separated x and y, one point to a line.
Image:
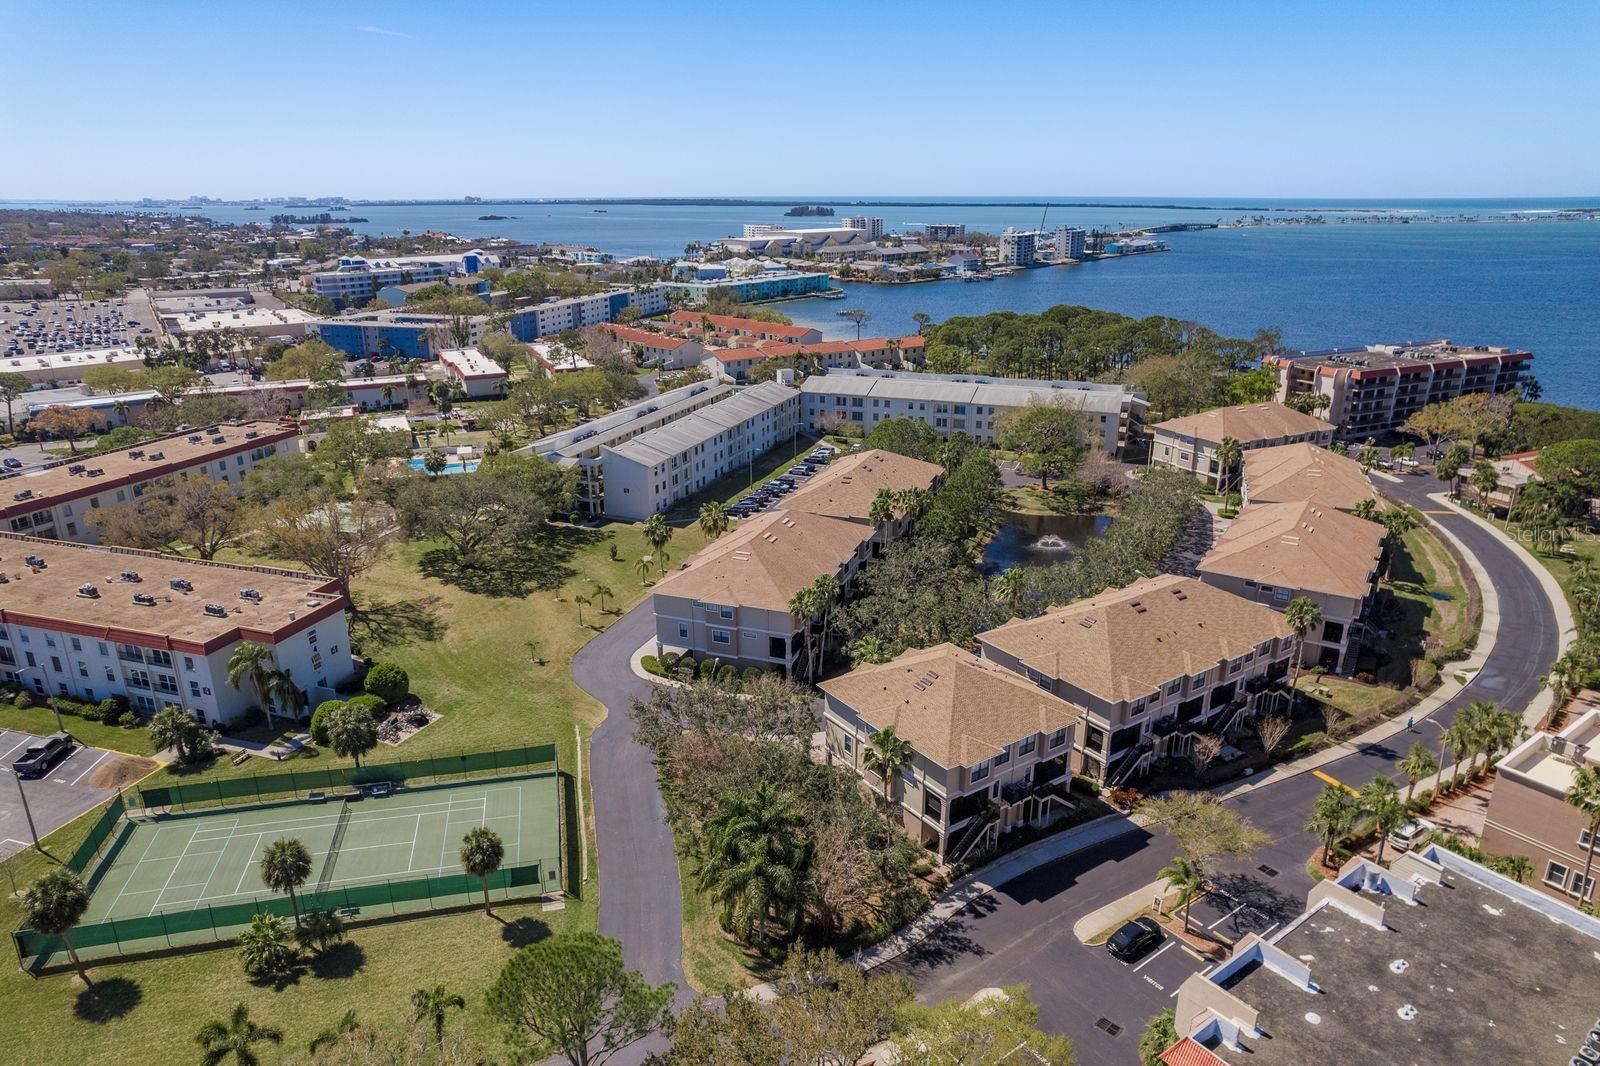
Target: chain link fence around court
286	784
207	924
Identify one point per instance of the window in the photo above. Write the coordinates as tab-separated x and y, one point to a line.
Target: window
932	806
1026	745
1582	887
1004	756
194	689
683	629
1058	738
1583	838
721	636
1556	874
980	771
1280	594
725	612
1174	688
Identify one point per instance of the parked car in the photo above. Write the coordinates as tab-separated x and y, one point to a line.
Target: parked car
36	759
1134	939
1411	834
13	463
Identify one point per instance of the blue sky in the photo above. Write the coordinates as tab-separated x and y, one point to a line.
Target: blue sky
1111	98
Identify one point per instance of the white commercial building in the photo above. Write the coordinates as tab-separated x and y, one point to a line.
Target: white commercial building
871	227
480	376
965	403
1017	248
65	367
1067	242
88	622
654	470
256	321
357	279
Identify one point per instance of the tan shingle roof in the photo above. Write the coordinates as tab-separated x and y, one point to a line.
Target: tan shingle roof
1299	545
950	705
1244	423
1292	473
766	560
846	488
1126	643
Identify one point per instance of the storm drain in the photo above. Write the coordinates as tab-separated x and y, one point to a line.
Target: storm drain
1269	871
1111	1027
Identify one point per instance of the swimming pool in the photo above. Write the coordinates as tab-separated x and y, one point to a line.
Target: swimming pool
455	466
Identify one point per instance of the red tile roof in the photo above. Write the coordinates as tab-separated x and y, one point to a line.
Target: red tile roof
733	322
630	335
1190	1052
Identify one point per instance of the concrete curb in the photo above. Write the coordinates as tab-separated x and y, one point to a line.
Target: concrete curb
1118	910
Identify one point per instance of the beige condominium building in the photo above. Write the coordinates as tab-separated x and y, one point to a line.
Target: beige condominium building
1529	815
1275	552
61	499
1304	473
731	600
1190	443
1153	665
979	733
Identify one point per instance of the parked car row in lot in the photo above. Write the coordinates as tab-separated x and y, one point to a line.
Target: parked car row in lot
75	327
36	759
769	494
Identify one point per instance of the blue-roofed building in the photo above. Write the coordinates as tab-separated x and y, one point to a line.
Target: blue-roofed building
767	285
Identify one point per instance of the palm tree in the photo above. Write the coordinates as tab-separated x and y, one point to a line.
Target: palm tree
1397	522
481	855
1185	877
600	594
340	1029
753	858
1584	794
1367	456
803	605
1008	588
884	754
237	1037
714	519
431	1004
1485	479
656	534
1333	815
582	602
282	690
1417	764
319	928
1366	509
642	566
1302	614
252	662
285	866
1476	722
1564	676
882	510
1454	742
1403	450
829	592
53	905
1229	453
1380	801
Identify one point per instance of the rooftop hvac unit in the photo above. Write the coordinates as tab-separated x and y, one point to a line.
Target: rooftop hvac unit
251	434
93	471
144	599
157	455
137	453
34	561
181	584
253	595
195	438
216	610
89	592
25	494
75	468
1558	745
3	579
218	440
130	575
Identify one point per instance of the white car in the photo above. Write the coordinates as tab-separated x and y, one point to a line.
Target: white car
1406	461
1411	834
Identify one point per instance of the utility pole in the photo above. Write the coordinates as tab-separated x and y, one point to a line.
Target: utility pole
32	831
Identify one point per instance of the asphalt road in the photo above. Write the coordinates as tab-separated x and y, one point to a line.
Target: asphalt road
55	798
1023	931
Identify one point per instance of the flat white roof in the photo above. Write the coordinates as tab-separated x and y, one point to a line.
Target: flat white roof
973	389
603	430
239	318
471	363
76	361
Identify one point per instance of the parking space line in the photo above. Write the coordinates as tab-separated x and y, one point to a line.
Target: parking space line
18	744
1154	955
1225	917
104	755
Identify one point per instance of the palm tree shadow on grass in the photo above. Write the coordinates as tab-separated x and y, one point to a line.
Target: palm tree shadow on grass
106	1001
339	961
539	564
386	623
521	932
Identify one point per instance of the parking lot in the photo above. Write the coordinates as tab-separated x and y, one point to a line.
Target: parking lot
770	494
77	783
41	327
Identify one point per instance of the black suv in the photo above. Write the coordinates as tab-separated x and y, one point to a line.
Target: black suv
36	759
1134	939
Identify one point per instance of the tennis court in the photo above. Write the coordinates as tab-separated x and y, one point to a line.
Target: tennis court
212	859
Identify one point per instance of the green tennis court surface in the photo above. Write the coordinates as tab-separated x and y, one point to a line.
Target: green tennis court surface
213	859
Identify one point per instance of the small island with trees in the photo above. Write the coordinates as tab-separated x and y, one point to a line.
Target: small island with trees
803	211
323	218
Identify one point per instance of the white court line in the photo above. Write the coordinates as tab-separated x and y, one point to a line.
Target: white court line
444	834
1225	917
416	830
172	874
223	851
249	864
126	881
1153	955
103	757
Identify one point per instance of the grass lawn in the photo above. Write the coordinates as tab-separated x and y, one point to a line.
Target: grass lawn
465	646
1584	547
41	721
712	960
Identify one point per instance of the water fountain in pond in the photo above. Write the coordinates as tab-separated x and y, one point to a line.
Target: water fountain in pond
1050	542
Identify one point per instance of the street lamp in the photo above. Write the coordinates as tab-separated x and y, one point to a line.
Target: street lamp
32	830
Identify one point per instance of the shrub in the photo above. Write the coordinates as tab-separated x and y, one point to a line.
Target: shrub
24	700
653	666
707	670
372	705
249	718
751	673
128	720
388	682
108	709
319	721
728	676
89	712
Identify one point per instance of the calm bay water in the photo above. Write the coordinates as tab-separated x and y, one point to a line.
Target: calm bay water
1530	284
